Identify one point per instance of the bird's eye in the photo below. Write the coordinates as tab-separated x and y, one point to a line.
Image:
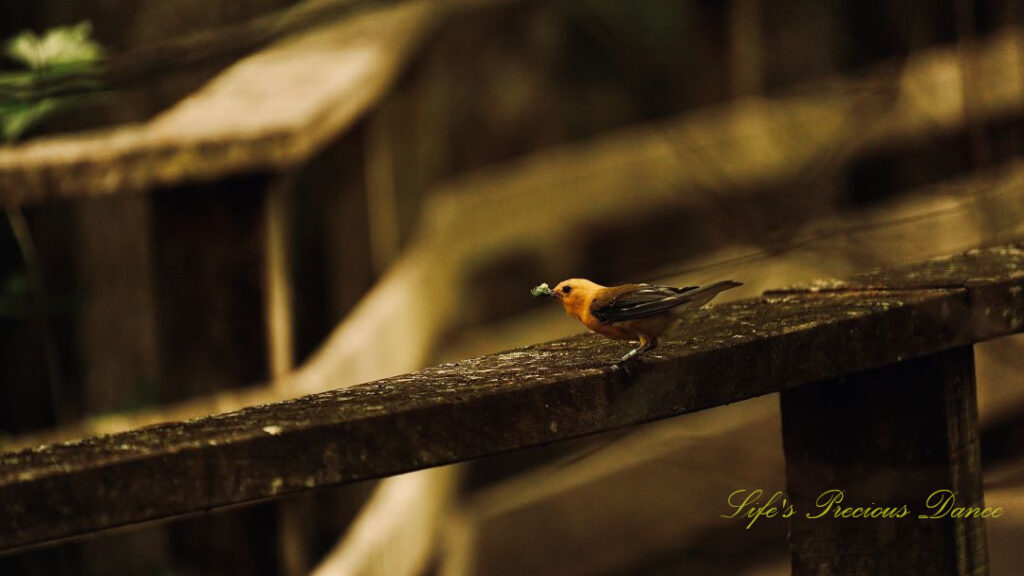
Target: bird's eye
566	289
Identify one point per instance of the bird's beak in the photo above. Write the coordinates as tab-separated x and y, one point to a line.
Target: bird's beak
542	290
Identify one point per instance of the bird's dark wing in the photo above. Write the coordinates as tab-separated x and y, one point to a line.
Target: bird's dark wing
633	301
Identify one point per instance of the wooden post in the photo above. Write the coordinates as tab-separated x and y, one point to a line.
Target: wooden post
277	294
889	439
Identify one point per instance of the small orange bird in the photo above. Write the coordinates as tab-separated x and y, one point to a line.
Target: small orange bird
631	311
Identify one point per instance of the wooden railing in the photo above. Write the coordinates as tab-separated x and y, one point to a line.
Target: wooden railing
878	398
539	394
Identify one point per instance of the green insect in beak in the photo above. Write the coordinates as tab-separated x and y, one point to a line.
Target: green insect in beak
541	290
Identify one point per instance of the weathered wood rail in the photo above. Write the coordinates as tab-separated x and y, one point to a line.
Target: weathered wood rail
549	392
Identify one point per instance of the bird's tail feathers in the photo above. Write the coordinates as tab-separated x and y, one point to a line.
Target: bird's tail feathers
704	294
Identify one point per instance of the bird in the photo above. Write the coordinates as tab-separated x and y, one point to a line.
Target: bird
640	312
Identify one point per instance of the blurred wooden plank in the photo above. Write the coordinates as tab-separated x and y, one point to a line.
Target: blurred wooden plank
887	439
516	399
269	112
395	533
293	526
618	505
645	195
278	298
1002	444
327	77
1007	532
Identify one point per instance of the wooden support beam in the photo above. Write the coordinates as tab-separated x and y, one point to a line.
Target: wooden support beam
520	398
900	441
278	299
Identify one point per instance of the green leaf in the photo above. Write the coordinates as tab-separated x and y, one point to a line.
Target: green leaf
11	82
64	45
18	118
62	69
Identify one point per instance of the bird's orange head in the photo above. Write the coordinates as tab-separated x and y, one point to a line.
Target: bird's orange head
575	294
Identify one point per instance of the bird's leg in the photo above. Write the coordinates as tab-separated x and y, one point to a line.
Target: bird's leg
645	345
648	343
630	355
